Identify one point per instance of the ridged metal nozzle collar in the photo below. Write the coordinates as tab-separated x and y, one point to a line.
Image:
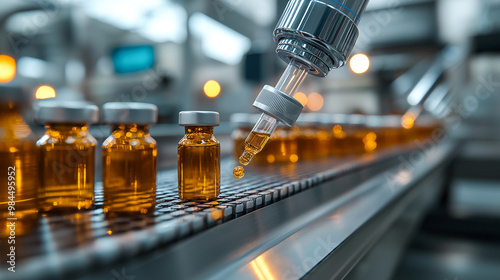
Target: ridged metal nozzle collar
279	105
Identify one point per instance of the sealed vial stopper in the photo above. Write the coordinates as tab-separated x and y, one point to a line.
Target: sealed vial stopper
66	112
130	113
198	118
279	105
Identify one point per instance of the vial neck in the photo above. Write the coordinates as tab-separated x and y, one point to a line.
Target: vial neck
67	126
199	129
131	128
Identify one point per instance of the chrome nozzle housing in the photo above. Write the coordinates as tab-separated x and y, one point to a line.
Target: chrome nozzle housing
321	34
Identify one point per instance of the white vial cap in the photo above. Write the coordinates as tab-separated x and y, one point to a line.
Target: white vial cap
130	113
66	112
198	118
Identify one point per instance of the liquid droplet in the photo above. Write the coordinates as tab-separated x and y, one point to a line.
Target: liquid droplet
238	172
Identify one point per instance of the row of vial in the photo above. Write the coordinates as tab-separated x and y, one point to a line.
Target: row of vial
318	135
64	156
67	152
57	174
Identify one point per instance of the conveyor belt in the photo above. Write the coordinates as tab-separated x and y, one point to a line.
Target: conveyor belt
67	245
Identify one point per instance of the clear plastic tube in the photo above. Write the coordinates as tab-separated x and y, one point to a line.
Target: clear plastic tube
292	78
290	81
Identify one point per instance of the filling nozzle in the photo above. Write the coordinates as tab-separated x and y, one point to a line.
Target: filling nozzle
313	37
290	80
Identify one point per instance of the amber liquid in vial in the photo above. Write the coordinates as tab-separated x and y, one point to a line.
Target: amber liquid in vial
288	149
358	140
370	141
324	140
19	163
68	162
21	160
198	157
270	152
129	171
254	144
281	147
389	137
307	144
340	142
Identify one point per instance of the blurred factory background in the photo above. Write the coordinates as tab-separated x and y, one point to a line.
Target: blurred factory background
217	54
440	57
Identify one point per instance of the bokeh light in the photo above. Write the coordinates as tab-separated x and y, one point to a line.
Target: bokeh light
45	92
359	63
212	88
315	101
7	68
338	132
408	120
370	141
301	97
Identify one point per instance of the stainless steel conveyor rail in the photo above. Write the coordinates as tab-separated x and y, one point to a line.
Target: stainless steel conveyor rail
317	221
273	219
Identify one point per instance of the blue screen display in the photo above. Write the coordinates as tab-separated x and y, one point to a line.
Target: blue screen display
131	59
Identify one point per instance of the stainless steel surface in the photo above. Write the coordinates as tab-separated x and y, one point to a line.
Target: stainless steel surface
287	239
279	105
66	112
416	189
130	113
446	62
436	97
292	201
321	34
343	229
425	85
199	118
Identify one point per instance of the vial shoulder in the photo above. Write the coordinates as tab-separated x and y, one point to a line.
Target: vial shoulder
75	139
126	143
195	141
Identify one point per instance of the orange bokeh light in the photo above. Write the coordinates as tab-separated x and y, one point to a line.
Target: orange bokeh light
408	120
7	68
315	101
301	97
45	92
212	88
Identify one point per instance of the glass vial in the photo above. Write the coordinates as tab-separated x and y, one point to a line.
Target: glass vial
340	142
129	159
18	165
357	133
307	140
67	156
198	156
